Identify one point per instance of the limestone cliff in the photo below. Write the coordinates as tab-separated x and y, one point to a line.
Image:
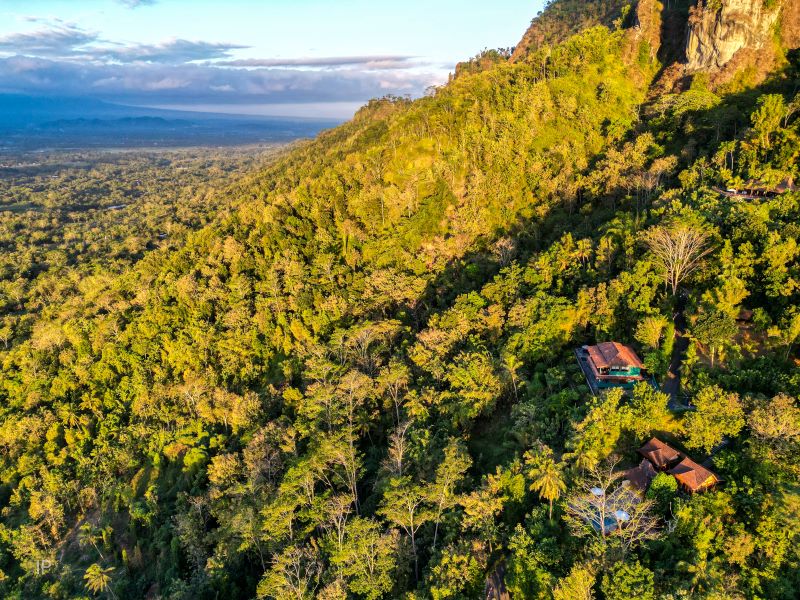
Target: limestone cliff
737	42
731	41
720	29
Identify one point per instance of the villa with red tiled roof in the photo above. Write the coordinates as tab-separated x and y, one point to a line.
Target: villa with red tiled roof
610	364
660	454
693	477
641	476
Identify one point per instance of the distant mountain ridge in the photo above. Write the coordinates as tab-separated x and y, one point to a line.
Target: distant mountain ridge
33	122
22	110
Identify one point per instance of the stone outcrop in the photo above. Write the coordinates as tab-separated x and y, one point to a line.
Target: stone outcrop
719	29
790	24
736	42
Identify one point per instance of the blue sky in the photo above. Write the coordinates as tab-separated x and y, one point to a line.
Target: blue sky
288	57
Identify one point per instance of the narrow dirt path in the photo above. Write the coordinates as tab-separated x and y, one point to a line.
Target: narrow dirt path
496	585
672	385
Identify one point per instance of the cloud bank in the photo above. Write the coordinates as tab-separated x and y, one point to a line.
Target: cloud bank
371	62
61	58
186	83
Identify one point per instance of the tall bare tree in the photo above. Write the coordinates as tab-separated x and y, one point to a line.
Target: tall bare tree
678	251
450	472
398	447
608	510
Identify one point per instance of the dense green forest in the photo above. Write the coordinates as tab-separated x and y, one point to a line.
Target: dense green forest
352	374
71	221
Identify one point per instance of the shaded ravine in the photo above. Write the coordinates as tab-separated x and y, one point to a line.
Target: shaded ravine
672	384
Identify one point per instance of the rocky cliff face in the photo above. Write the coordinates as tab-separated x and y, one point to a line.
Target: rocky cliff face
732	41
720	29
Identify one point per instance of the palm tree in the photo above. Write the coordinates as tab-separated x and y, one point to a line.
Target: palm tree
512	365
87	536
547	476
98	579
583	250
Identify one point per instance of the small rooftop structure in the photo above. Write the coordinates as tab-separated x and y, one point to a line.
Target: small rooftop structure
607	510
659	454
610	364
611	523
641	476
693	477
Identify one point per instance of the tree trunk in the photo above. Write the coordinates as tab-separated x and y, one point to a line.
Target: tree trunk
416	559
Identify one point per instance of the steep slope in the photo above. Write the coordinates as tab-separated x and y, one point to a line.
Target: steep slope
361	382
168	373
563	18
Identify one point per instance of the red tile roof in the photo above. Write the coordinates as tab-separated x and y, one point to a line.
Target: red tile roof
613	354
692	476
659	453
642	475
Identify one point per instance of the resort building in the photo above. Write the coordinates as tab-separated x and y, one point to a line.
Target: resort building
693	477
641	476
658	456
609	365
753	190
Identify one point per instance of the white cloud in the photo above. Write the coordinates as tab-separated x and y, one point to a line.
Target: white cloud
59	39
61	58
136	3
370	62
158	83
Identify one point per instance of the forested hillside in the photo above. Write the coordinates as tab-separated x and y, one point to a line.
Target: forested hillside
561	19
73	221
360	381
